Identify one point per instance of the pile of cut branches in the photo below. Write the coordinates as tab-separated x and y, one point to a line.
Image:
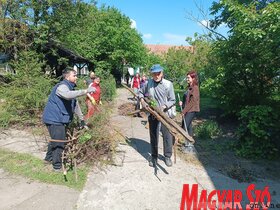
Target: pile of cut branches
82	147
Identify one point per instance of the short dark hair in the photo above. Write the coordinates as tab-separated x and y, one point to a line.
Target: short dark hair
67	71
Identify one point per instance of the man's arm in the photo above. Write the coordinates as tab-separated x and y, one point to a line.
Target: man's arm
64	92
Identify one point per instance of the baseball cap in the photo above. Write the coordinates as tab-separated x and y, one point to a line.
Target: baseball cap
156	68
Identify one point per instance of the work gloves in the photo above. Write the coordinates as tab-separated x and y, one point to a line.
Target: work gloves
91	89
83	125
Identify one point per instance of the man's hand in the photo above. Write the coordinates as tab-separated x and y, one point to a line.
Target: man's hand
164	108
83	125
91	89
143	103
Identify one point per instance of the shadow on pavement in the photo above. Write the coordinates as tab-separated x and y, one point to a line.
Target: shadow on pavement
143	148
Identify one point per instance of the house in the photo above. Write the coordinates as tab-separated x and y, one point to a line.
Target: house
79	63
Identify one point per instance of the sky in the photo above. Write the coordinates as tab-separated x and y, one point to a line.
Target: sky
164	21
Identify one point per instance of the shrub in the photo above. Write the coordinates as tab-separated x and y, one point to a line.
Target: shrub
108	86
26	93
257	132
208	129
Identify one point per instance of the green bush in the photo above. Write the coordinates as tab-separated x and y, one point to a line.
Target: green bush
26	93
208	129
108	87
258	132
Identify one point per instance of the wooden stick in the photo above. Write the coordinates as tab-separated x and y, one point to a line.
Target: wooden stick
62	141
75	169
174	124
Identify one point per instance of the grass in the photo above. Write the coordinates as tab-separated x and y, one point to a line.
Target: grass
34	168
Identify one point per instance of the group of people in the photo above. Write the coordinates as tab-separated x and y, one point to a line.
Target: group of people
60	108
62	104
138	82
162	91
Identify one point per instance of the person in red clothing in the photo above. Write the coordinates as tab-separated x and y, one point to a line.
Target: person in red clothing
135	83
93	99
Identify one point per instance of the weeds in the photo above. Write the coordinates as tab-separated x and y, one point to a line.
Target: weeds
208	129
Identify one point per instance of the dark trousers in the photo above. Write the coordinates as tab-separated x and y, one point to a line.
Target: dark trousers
55	149
155	127
189	116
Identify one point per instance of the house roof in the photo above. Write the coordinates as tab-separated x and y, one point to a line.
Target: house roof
161	49
65	52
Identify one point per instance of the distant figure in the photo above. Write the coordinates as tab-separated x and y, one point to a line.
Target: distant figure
135	83
127	76
143	81
191	106
93	99
89	80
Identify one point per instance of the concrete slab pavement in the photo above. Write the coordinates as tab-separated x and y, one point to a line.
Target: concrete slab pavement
135	185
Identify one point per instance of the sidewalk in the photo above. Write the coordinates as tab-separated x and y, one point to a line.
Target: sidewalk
19	193
135	185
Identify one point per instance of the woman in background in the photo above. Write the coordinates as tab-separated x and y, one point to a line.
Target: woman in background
135	84
191	106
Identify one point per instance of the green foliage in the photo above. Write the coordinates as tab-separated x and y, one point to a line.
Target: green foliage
208	129
84	138
26	95
177	63
5	117
108	87
104	36
150	60
153	103
249	58
208	87
258	132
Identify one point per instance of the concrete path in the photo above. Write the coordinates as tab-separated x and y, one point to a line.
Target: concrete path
134	185
19	193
